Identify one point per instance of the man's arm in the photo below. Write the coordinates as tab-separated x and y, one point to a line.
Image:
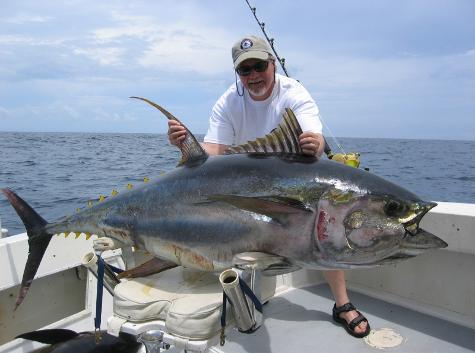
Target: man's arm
311	143
177	134
214	149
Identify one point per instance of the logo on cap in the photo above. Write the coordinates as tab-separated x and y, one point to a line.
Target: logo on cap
246	44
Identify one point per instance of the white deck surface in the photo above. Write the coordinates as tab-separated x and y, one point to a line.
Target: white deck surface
300	321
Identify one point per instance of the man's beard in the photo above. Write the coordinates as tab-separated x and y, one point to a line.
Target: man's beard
260	90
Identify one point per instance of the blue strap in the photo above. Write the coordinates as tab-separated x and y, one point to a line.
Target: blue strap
100	284
115	269
250	294
223	313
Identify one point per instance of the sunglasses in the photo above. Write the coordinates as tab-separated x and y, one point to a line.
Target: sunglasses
245	70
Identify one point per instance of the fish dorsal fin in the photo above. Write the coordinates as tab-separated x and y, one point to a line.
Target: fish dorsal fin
191	150
269	264
283	139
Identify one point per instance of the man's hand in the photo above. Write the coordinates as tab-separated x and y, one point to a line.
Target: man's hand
311	143
176	133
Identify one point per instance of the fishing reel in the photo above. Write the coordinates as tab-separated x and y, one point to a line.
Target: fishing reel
350	159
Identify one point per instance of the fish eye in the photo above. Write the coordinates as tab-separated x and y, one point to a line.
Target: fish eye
394	208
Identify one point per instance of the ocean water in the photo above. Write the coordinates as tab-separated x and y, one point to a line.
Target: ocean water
59	172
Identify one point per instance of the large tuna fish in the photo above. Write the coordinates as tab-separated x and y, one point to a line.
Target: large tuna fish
263	197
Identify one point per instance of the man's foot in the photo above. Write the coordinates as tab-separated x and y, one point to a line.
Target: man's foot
352	320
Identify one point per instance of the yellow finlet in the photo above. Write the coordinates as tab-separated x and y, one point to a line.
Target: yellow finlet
88	236
78	210
146	180
115	192
101	198
129	186
89	204
66	234
77	234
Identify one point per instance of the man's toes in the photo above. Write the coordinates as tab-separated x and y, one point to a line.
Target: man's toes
361	327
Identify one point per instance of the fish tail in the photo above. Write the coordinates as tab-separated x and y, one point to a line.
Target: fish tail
38	240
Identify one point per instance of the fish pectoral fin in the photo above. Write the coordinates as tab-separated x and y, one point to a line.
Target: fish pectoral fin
49	336
149	267
269	264
275	207
280	269
191	150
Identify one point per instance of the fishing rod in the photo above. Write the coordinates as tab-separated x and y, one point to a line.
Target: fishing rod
269	40
351	159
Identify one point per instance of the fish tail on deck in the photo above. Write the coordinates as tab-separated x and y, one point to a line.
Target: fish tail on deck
38	240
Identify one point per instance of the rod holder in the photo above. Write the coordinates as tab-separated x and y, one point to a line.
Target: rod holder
247	318
110	280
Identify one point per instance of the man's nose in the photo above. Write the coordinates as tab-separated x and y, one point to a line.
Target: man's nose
254	73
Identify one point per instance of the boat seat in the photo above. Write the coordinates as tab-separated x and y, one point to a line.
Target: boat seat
187	302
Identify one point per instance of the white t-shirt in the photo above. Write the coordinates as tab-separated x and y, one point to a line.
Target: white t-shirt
236	120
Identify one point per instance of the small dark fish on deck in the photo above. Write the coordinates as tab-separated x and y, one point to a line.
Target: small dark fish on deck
68	341
264	196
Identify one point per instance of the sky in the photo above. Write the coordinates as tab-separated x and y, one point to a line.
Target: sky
388	69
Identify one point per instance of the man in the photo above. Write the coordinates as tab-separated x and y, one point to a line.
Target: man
252	108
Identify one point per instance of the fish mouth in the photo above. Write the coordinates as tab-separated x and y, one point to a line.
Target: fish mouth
417	240
411	220
396	258
423	240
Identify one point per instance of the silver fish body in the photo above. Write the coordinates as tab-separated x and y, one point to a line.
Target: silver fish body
318	213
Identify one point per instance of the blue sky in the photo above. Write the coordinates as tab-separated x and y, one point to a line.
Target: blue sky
401	69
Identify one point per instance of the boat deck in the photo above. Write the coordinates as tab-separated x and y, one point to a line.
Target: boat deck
299	320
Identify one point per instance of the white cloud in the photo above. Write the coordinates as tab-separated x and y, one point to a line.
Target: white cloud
104	56
187	51
183	45
22	19
10	39
114	34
